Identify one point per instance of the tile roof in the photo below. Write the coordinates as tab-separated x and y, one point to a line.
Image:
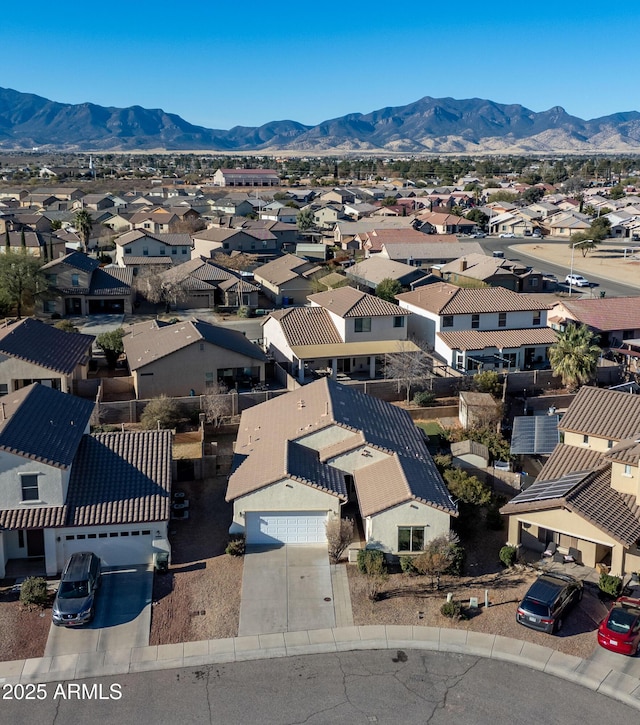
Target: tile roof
432	251
501	339
627	451
567	459
33	517
238	285
307	326
121	478
77	260
350	302
130	260
36	342
407	471
144	347
447	299
110	281
282	269
303	464
376	268
604	413
615	313
43	424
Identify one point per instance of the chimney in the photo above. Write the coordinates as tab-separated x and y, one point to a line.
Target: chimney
463	264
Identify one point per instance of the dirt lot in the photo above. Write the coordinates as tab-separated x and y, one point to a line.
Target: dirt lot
411	600
23	633
199	598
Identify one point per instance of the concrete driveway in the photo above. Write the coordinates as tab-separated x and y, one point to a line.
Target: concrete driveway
123	616
284	589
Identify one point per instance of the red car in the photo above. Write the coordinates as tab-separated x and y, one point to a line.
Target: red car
619	631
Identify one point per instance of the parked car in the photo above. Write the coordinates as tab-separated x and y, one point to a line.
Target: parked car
75	601
576	280
548	600
619	631
507	235
478	235
550	277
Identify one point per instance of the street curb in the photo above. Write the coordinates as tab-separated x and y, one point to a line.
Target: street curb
586	673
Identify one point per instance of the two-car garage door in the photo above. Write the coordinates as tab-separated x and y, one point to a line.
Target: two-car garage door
286	527
115	548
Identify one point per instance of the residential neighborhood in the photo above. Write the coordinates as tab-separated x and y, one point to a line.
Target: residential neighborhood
271	401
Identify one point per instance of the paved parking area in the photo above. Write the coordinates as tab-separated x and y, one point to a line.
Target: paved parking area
285	589
123	616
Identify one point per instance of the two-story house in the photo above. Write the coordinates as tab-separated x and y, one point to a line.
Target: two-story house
33	352
476	329
141	244
496	272
287	279
341	333
63	490
259	241
585	498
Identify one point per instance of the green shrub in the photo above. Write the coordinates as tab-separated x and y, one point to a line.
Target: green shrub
442	461
611	585
407	565
34	591
459	556
508	555
423	398
162	410
452	609
371	562
466	487
245	311
236	546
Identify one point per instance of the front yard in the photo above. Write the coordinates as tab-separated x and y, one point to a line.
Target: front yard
23	632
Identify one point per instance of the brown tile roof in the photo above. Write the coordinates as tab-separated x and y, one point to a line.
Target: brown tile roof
407	473
625	452
121	478
282	269
604	413
350	302
36	342
567	459
307	326
447	299
374	239
614	313
33	517
502	339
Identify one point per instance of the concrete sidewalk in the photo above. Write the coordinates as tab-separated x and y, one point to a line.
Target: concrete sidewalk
598	676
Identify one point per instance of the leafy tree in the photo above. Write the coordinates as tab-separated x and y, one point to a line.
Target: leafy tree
532	195
616	192
409	366
339	537
388	288
467	488
21	281
110	343
600	228
589	210
488	381
437	557
508	196
478	216
305	220
574	356
83	222
498	446
161	412
56	224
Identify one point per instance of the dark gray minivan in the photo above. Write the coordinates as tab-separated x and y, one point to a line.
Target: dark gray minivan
75	601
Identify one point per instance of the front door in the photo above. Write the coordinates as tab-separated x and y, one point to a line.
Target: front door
73	306
35	542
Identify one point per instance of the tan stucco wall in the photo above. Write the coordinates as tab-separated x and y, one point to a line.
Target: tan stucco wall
383	527
327	436
183	370
625	483
285	495
594	443
12	369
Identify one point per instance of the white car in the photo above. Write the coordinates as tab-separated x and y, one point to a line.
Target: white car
507	235
576	280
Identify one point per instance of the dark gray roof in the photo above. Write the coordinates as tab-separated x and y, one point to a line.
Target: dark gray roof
103	282
75	259
120	478
303	464
45	424
40	344
229	339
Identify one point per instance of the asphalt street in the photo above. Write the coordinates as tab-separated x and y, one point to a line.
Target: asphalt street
354	687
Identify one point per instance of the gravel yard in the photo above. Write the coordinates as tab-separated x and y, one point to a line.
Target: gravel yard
23	633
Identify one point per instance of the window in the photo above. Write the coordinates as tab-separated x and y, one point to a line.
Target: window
162	250
398	321
49	305
127	250
410	538
184	250
145	251
609	444
585	440
502	319
20	539
174	251
209	380
4	389
75	280
29	484
627	470
52	279
534	281
536	317
362	324
447	321
475	322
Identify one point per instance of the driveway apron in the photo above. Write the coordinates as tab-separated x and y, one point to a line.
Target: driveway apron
286	589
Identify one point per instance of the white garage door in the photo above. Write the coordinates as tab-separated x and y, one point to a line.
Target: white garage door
286	527
122	548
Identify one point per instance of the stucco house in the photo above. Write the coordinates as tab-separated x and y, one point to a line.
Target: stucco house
301	456
254	240
287	279
246	177
63	490
370	272
496	272
140	243
189	356
476	329
585	498
613	319
33	352
344	331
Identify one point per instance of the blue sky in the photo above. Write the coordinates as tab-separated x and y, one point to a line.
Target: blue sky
220	65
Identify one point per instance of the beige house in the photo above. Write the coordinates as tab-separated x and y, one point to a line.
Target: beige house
189	357
286	280
301	456
585	498
139	243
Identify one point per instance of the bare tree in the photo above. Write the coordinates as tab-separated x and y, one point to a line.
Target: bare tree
216	405
239	262
411	365
157	287
339	536
438	555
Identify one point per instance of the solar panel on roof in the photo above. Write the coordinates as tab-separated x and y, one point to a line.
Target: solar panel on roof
536	434
544	490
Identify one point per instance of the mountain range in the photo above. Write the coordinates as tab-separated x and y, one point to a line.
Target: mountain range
430	125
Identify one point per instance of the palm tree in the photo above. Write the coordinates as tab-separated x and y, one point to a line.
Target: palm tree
83	222
574	356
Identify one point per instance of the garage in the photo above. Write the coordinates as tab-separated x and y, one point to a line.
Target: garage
286	527
115	548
